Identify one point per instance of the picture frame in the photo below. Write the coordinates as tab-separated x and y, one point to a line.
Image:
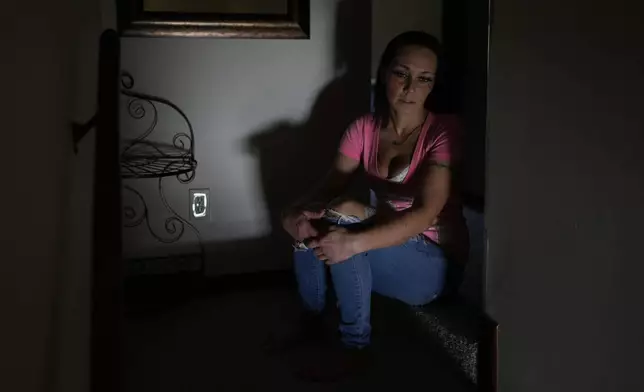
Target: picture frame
276	19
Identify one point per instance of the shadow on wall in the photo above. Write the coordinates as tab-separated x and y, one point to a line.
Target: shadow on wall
292	157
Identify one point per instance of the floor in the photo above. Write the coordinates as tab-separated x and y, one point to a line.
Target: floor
216	343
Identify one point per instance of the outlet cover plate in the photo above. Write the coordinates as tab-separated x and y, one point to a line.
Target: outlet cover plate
199	204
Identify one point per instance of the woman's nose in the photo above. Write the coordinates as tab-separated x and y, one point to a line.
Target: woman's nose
409	85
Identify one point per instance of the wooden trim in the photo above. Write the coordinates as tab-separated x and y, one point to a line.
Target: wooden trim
107	277
133	20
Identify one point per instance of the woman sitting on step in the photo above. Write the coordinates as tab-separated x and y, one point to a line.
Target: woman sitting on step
398	245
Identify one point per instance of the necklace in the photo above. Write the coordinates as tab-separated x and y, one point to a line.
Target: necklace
401	142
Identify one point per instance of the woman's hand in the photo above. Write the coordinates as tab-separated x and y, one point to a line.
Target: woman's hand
298	224
336	246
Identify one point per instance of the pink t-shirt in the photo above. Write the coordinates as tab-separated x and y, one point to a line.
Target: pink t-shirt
439	141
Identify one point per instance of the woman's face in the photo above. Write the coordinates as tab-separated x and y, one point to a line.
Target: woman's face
410	78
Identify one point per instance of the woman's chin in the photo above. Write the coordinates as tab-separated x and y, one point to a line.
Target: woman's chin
404	107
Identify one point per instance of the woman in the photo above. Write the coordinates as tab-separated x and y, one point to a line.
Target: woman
397	245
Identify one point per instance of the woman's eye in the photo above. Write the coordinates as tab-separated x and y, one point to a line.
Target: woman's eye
426	80
401	74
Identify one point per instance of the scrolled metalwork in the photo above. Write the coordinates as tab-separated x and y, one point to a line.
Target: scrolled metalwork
174	225
144	157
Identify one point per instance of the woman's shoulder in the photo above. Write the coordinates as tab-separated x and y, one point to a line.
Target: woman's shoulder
444	137
366	122
447	122
444	129
362	127
445	125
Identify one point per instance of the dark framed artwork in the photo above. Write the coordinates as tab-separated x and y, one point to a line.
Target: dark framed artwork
214	18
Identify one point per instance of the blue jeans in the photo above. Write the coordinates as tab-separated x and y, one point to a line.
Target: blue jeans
413	273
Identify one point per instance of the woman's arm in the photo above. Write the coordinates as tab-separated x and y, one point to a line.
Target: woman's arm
332	185
296	219
405	224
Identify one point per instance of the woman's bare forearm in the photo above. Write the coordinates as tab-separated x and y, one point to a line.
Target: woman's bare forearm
399	228
408	223
332	185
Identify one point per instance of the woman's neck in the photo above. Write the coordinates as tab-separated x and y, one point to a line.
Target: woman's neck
404	123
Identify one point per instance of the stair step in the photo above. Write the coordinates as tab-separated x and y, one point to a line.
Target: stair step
450	325
456	328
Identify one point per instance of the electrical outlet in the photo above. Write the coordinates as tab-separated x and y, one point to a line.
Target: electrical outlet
199	204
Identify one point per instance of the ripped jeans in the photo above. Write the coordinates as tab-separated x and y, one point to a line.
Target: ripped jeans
413	272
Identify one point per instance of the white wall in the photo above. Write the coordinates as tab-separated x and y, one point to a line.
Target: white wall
391	18
565	192
233	91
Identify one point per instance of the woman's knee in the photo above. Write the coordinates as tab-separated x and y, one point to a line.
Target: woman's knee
305	257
